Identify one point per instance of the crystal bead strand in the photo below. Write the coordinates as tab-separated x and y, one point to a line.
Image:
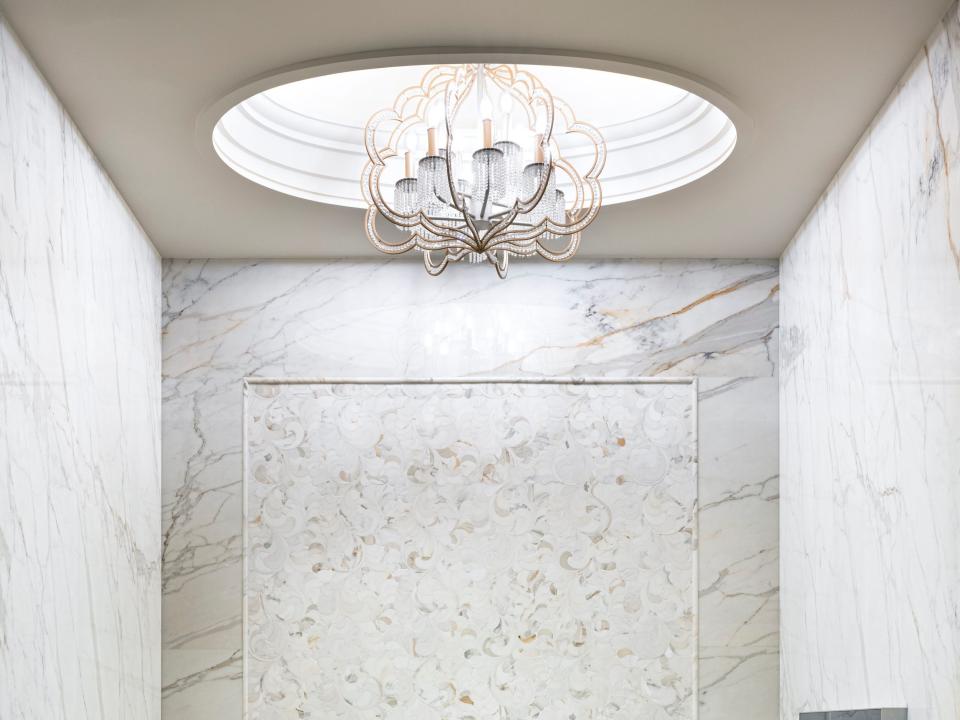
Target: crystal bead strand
532	177
488	187
558	212
512	162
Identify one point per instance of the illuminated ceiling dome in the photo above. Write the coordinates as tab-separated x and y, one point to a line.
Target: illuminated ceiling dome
306	139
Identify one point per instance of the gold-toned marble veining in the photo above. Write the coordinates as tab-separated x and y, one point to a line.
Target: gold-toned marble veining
870	413
491	550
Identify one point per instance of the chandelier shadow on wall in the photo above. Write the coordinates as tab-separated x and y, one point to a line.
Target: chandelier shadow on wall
493	167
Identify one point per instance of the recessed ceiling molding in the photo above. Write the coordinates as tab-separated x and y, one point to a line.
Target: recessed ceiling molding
271	133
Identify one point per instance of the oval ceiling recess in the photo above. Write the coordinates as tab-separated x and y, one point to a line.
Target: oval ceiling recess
305	138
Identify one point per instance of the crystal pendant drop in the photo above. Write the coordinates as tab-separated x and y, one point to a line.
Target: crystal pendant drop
433	193
432	187
512	164
488	173
532	178
558	212
405	198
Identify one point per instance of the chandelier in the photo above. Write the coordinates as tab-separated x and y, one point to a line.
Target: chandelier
483	175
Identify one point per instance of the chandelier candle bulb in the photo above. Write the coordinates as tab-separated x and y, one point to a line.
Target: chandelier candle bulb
431	141
487	133
484	106
506	109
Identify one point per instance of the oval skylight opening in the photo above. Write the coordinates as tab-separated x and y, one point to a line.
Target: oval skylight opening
305	138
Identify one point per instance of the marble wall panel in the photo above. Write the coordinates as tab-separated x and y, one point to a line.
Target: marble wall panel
870	414
79	423
225	320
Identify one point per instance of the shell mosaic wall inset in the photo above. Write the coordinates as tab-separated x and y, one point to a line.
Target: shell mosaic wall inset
470	550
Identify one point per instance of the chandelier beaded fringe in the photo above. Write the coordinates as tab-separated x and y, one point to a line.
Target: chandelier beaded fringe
494	208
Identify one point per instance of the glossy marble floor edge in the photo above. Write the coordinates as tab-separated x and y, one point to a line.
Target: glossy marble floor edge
80	416
224	320
870	414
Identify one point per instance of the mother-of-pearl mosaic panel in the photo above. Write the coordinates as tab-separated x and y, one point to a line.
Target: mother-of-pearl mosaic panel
470	550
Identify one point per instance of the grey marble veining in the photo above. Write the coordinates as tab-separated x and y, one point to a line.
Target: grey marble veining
226	320
79	423
870	414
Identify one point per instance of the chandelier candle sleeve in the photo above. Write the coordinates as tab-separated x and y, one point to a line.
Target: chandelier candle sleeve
492	209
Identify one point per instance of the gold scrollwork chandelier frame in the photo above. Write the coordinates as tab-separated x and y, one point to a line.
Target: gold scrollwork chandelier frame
506	233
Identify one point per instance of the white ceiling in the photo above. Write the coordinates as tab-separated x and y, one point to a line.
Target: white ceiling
141	80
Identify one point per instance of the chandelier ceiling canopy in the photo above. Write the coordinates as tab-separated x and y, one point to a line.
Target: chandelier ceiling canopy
474	162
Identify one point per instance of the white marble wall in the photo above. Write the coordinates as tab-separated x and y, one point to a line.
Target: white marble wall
79	423
870	414
224	320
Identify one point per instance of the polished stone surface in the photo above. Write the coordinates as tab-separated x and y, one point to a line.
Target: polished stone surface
870	414
226	320
462	549
79	423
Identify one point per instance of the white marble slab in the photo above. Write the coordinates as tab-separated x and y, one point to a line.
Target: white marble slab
473	550
870	414
226	320
738	552
80	417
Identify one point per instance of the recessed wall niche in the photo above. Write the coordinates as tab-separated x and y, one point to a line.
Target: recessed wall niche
485	549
